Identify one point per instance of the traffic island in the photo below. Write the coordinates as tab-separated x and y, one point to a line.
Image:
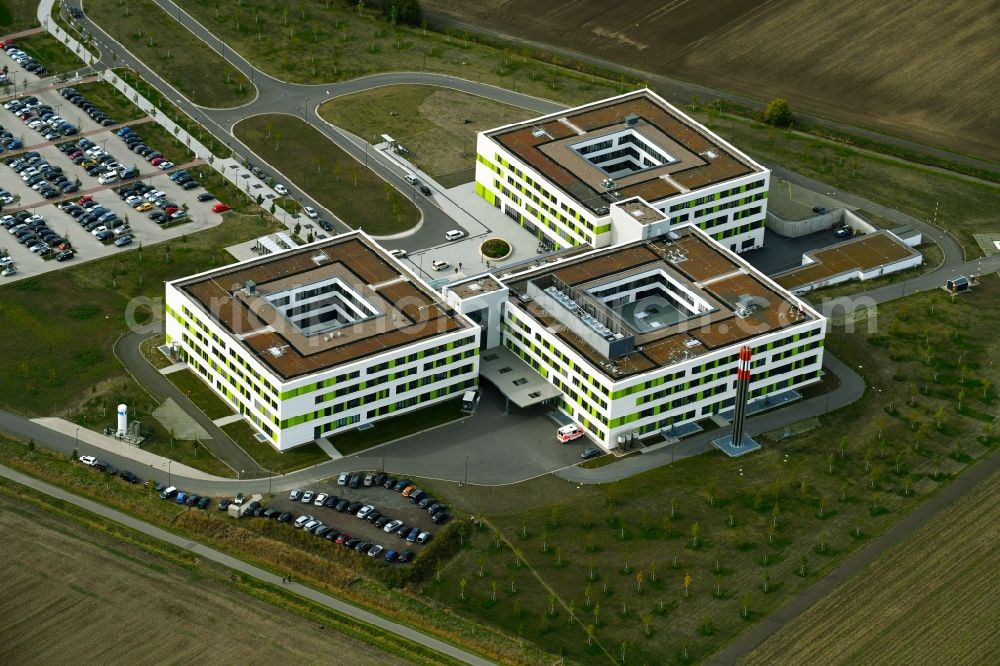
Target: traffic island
495	249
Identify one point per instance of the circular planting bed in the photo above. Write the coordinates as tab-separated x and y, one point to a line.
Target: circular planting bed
495	248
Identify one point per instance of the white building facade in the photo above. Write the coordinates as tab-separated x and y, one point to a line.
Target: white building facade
730	209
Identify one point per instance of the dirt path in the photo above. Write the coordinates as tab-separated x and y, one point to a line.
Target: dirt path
907	527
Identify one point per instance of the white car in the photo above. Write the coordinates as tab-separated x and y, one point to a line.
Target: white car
439	264
7	272
310	211
392	526
165	165
302	520
295	495
307	496
399	254
454	235
365	510
311	525
322	497
88	460
375	550
342	479
280	189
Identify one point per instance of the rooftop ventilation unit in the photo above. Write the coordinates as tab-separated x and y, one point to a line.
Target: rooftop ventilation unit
320	258
745	306
691	342
710	154
631	120
609	184
251	287
277	352
539	132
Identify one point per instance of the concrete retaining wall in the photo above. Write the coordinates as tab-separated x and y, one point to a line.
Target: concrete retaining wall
835	218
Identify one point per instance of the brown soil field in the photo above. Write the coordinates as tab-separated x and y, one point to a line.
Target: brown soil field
931	599
919	69
77	596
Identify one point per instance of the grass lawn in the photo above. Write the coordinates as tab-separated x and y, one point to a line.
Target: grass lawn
172	51
111	101
149	350
963	206
333	178
18	15
172	148
51	53
192	454
171	111
200	394
436	125
330	41
266	455
97	410
62	325
750	533
389	429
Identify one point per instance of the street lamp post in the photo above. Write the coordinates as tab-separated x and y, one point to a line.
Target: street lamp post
77	439
168	471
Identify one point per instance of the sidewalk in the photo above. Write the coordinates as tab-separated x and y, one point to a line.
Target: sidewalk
111	445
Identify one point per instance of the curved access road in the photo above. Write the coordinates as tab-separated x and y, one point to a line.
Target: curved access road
126	349
355	612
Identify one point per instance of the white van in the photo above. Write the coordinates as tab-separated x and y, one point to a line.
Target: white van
439	264
108	177
454	234
410	178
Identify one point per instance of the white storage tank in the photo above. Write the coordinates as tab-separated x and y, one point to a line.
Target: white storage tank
122	420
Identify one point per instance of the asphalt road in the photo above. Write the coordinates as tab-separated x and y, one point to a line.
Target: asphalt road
126	348
203	551
275	96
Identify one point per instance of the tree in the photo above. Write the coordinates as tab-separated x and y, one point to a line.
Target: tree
695	533
493	590
647	621
461	585
745	611
638	582
778	113
687	584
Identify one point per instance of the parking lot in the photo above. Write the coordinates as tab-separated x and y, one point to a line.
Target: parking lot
86	246
388	504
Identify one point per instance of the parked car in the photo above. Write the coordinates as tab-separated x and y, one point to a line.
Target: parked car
224	505
220	208
307	497
406	556
284	517
342	479
203	503
375	550
590	452
568	433
320	499
423	537
88	460
309	211
302	520
129	476
392	526
364	511
369	477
